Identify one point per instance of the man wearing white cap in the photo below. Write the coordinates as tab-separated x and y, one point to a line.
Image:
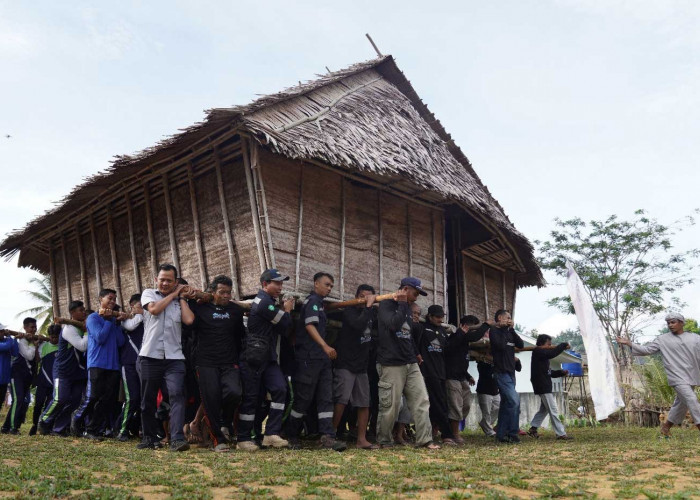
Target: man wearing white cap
680	352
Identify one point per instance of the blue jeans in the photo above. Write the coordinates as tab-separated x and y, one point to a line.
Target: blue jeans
509	412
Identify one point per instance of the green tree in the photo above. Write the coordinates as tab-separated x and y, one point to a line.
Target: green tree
628	268
574	339
43	311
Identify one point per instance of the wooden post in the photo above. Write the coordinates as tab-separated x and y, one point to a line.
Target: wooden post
260	188
151	237
83	274
410	239
466	285
515	292
381	243
455	267
113	252
54	286
197	230
253	204
432	232
505	303
227	224
93	240
342	237
132	243
69	295
171	224
486	293
461	271
299	226
444	265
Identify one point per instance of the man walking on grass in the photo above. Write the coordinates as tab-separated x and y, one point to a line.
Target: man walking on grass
680	351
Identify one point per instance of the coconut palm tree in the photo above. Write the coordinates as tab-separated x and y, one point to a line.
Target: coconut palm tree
43	311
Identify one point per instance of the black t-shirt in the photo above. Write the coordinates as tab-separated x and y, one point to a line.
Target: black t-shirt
312	313
540	372
355	339
431	346
457	351
486	383
219	330
396	345
503	344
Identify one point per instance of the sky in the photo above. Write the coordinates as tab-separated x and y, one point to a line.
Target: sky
565	108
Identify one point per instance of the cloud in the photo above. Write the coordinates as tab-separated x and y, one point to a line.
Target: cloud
557	323
108	37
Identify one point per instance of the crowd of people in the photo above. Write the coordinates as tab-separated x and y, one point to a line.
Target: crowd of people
177	369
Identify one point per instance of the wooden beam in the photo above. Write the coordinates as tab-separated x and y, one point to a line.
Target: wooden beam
381	243
486	293
54	287
151	236
410	239
197	229
455	267
83	274
482	261
466	286
300	221
171	224
342	238
505	303
65	268
253	205
515	292
227	224
256	170
96	255
432	233
132	243
115	264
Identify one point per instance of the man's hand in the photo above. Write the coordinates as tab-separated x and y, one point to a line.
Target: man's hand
401	296
330	352
566	372
370	300
105	313
122	316
288	305
178	290
623	341
420	359
471	381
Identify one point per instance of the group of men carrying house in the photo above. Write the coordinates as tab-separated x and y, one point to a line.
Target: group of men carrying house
186	365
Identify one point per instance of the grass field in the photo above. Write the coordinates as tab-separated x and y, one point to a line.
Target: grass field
603	462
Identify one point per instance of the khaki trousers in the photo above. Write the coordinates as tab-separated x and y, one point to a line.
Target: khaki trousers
393	382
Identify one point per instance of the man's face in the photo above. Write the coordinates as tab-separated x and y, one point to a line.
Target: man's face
79	314
273	288
53	339
166	281
415	312
503	319
136	308
411	294
548	343
363	294
675	326
222	294
323	286
108	301
30	328
435	320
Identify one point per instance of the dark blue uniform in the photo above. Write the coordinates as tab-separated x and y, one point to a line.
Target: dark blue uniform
130	417
44	381
313	376
69	379
20	385
266	321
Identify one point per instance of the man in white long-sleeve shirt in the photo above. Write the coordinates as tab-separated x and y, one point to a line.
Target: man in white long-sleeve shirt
680	352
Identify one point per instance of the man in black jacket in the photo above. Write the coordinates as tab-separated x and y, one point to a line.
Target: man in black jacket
541	377
397	366
504	340
350	381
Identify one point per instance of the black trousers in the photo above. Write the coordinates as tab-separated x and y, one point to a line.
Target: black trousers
129	418
437	394
220	390
19	387
155	373
99	399
42	398
313	382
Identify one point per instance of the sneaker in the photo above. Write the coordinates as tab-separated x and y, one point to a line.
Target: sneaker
14	432
122	437
294	444
147	444
459	440
32	431
333	444
565	437
222	448
75	428
514	439
179	445
275	442
247	446
532	432
93	437
44	429
449	442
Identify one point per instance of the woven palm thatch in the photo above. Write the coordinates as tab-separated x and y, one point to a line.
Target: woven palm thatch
367	119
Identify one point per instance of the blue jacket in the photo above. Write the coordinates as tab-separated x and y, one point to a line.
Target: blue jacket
105	338
8	350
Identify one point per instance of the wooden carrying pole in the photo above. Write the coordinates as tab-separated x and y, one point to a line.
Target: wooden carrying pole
330	306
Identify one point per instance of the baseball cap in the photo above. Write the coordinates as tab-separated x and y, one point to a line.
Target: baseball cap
272	275
436	310
415	283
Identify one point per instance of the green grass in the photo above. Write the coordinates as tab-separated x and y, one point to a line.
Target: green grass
603	462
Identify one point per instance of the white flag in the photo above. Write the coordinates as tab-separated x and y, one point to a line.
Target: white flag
602	368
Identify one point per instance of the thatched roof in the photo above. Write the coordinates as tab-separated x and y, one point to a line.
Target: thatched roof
366	118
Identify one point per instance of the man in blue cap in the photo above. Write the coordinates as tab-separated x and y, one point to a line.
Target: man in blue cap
259	366
397	365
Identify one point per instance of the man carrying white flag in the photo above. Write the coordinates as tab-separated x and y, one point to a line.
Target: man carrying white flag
602	369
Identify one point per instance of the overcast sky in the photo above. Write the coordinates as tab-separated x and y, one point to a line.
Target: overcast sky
565	108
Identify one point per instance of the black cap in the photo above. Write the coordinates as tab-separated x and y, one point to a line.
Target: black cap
272	275
437	311
415	283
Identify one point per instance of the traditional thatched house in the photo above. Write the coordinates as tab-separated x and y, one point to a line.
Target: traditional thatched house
349	173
